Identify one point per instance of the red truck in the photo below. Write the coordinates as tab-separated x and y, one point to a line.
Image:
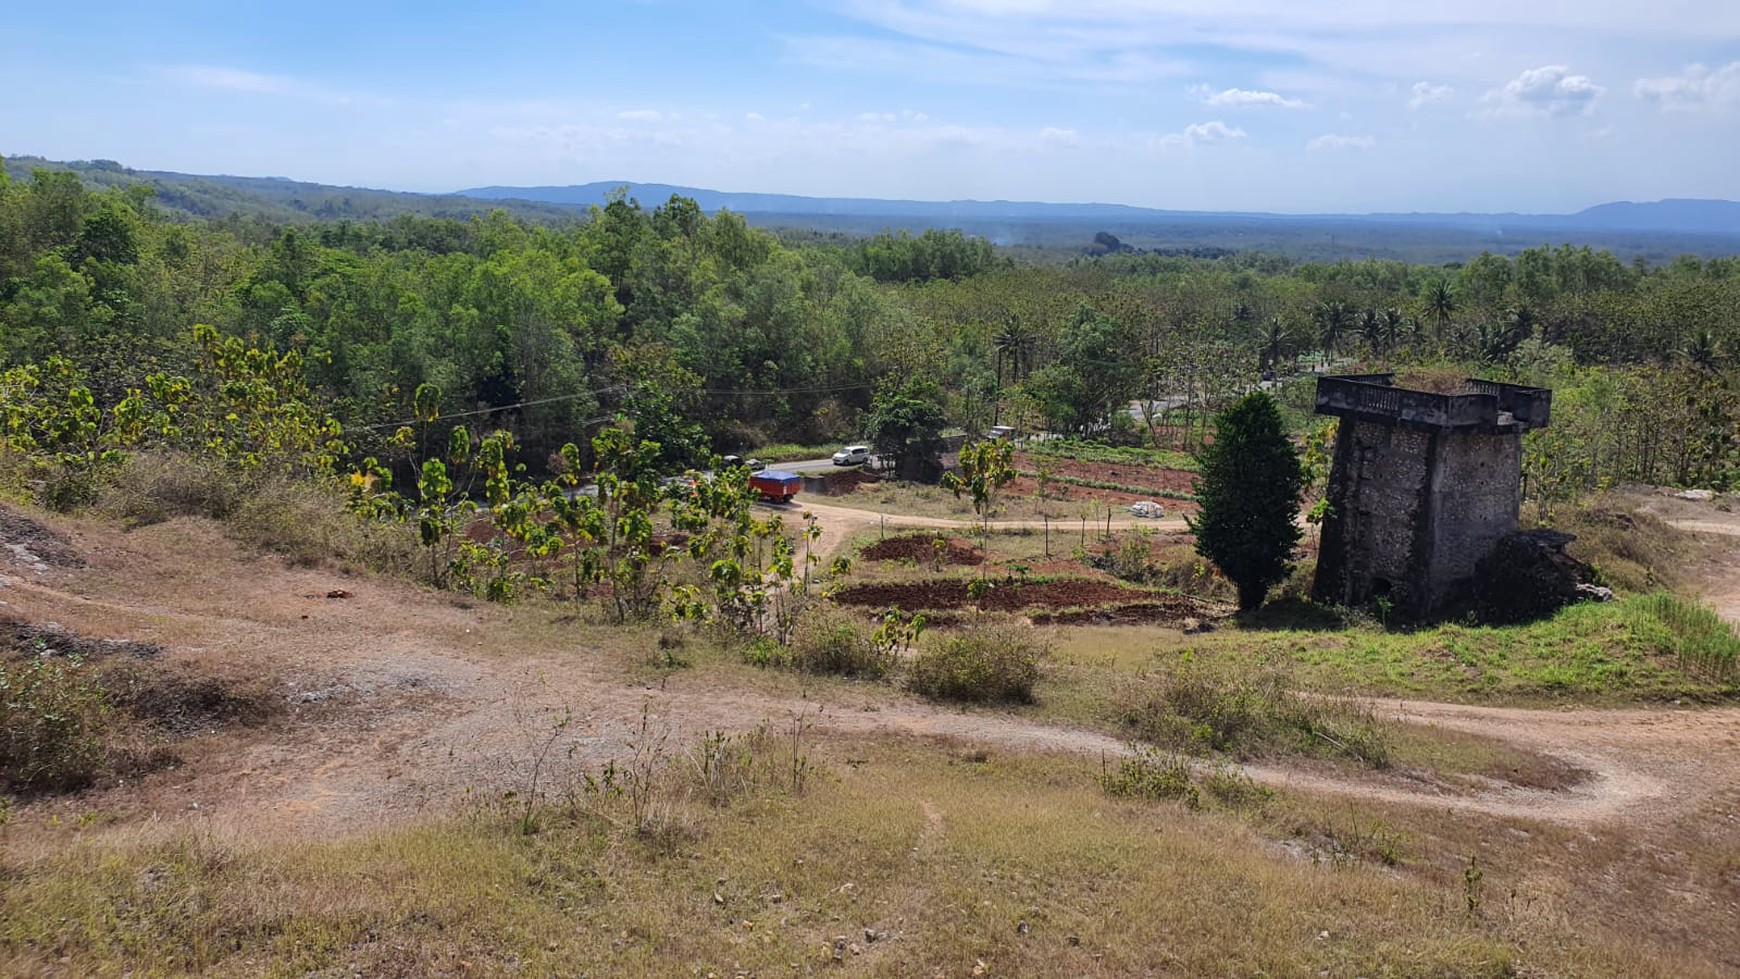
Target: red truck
775	486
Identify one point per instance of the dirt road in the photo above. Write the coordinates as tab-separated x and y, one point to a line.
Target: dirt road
840	523
401	700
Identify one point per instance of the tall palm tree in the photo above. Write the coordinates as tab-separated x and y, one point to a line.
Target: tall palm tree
1392	327
1371	329
1014	345
1274	338
1441	303
1332	320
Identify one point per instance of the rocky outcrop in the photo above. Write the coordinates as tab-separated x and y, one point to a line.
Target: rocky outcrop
1529	576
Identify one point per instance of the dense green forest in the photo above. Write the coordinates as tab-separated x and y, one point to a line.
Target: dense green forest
708	335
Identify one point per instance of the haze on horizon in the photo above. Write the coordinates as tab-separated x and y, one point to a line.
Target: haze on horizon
1277	105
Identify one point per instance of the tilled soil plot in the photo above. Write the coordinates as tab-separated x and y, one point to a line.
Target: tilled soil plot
947	593
922	549
1169	608
1124	474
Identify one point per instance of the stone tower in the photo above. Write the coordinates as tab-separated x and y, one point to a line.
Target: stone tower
1422	487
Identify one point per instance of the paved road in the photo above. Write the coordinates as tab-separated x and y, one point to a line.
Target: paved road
806	466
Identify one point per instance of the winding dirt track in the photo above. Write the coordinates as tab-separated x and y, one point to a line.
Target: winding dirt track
429	697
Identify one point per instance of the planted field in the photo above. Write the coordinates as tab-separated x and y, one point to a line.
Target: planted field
1062	593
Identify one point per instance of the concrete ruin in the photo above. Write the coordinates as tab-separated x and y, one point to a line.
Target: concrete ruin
1423	487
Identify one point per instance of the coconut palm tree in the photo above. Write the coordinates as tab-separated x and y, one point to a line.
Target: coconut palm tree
1332	320
1441	303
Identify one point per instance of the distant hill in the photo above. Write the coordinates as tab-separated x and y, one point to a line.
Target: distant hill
280	199
1715	217
1652	231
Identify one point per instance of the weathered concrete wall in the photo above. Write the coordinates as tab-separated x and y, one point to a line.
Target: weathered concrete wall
1422	488
1477	491
1413	512
1372	541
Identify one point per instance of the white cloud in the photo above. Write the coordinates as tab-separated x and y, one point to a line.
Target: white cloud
1695	88
1335	141
641	115
1239	98
1053	136
1426	93
1198	134
1550	90
239	81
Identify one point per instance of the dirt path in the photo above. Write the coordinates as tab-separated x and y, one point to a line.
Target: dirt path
841	523
403	700
1722	590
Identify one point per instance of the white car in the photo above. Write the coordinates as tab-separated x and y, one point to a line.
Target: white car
852	455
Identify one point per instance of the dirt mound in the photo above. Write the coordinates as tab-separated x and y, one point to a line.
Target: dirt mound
922	549
846	481
1006	596
28	542
50	639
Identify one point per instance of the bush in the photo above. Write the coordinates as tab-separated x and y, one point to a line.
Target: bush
156	486
308	524
988	663
1150	775
54	724
1249	710
837	645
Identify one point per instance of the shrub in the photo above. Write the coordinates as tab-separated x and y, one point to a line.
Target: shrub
1148	774
838	645
308	524
158	486
54	722
1248	710
994	662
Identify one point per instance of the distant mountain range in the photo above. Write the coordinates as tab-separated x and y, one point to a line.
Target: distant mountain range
1654	232
1705	217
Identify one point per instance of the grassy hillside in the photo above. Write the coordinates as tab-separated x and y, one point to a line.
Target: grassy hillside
279	199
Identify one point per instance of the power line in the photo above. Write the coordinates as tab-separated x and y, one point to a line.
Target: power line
614	388
812	390
490	411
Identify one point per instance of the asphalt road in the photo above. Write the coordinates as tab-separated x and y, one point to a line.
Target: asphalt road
807	466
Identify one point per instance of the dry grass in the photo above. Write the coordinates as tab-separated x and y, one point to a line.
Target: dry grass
905	861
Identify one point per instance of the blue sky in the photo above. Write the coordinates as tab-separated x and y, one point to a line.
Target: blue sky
1283	105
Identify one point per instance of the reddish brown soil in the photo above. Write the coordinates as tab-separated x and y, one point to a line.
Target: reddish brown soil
847	481
1169	608
922	549
1007	596
1124	474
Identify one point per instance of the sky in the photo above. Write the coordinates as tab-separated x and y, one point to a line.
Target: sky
1274	105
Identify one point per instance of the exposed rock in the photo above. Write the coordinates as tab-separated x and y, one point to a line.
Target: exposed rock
1529	576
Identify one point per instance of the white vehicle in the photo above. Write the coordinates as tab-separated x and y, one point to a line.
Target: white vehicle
852	455
1147	509
1000	432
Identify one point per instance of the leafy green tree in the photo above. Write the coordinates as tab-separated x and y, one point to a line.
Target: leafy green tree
905	423
1248	491
986	467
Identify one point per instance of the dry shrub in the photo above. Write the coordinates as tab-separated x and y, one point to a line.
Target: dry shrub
156	486
834	643
308	524
1247	709
55	724
992	661
1630	550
